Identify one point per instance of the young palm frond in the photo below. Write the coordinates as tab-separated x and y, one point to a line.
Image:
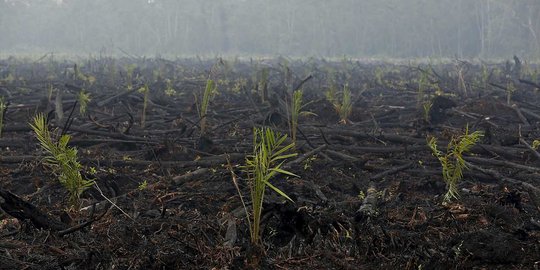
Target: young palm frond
346	105
129	75
427	109
262	85
146	93
343	108
452	161
296	112
84	99
63	160
269	153
202	106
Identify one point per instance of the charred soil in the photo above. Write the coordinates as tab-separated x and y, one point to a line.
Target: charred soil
369	195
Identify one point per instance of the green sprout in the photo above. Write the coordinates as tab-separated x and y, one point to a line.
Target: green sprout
79	75
145	91
452	161
9	78
309	161
50	90
427	109
331	94
361	195
169	90
265	163
534	75
202	106
536	144
343	108
263	85
379	74
423	84
129	75
510	89
239	85
296	112
62	159
84	99
142	185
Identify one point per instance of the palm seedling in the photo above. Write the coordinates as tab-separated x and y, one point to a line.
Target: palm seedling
269	153
79	75
202	105
346	105
427	109
296	112
452	161
129	75
510	89
83	99
343	107
379	75
50	91
169	90
146	92
536	144
423	84
263	85
62	159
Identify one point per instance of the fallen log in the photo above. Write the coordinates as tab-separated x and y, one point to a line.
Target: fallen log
116	97
504	163
203	162
369	205
181	179
534	192
304	156
22	210
109	134
531	149
391	171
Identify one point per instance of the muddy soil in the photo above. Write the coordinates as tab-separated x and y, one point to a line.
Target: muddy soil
369	193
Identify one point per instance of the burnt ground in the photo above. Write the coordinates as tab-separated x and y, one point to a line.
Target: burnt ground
368	197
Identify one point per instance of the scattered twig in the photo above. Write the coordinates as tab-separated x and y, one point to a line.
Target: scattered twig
85	224
305	156
520	115
180	179
306	79
112	203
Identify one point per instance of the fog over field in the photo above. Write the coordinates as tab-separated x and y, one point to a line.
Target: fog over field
319	28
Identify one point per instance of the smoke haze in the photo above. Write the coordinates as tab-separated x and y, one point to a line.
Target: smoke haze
320	28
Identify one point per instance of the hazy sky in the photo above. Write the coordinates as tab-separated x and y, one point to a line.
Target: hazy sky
362	28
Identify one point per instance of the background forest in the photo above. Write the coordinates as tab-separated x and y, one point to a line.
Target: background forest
320	28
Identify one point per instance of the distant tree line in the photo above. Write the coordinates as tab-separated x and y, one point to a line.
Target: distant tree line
359	28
